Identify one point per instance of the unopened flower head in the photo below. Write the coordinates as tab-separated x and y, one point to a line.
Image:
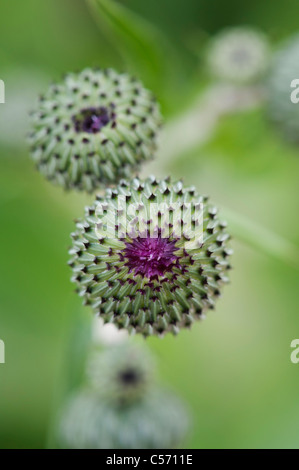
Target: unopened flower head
238	55
150	256
121	374
159	421
93	129
282	109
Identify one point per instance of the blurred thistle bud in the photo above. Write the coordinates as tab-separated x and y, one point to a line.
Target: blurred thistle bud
283	90
159	421
94	128
150	256
122	374
238	55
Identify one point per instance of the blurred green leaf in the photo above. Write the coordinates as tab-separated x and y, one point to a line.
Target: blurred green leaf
145	50
262	239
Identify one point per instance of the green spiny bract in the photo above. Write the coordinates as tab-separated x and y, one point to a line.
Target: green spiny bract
239	55
159	421
121	374
93	129
119	406
150	256
282	111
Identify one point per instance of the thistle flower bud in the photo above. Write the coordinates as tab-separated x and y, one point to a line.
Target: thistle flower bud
93	129
159	421
238	55
150	256
283	108
122	374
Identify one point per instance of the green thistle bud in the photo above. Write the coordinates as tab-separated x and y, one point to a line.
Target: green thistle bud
94	128
282	110
238	55
159	421
121	374
150	256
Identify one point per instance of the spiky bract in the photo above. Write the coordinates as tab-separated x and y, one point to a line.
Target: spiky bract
150	256
94	128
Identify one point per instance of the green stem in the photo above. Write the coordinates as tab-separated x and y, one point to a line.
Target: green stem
261	238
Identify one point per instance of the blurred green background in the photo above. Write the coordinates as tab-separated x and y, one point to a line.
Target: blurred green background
233	369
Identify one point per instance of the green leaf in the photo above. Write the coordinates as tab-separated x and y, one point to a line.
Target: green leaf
144	48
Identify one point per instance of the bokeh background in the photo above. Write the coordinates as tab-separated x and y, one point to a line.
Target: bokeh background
233	369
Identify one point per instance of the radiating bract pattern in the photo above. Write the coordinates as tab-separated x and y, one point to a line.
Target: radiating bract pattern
93	128
159	421
238	55
150	256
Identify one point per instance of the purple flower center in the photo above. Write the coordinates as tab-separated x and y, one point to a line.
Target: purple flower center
91	120
150	257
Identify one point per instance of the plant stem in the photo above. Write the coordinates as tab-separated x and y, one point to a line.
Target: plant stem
261	238
196	125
